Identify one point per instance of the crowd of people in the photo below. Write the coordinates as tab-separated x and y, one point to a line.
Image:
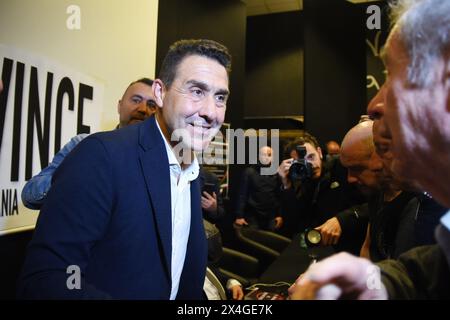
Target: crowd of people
130	207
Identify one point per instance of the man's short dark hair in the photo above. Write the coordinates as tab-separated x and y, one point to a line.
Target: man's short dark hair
184	48
149	82
146	81
303	138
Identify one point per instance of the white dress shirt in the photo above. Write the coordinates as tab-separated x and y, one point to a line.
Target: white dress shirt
443	235
180	189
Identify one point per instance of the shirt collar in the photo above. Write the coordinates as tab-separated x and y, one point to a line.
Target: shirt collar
192	170
445	220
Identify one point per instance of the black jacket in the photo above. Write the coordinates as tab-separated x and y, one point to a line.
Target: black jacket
420	273
258	197
406	222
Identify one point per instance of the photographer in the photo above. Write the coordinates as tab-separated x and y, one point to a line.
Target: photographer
314	194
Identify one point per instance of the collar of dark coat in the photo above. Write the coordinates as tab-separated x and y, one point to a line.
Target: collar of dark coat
149	136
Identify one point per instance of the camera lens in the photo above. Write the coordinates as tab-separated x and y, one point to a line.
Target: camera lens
300	170
313	237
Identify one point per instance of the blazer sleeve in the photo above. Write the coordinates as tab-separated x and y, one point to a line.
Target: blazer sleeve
73	218
354	218
35	190
420	273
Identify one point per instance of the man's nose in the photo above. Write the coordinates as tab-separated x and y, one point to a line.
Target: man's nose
376	106
208	109
144	109
376	111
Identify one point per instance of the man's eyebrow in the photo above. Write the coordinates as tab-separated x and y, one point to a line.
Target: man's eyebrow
206	87
199	84
223	92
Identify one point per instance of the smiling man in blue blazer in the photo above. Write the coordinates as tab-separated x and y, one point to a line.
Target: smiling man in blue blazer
123	217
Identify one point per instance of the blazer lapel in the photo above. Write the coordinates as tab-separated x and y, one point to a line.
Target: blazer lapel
155	166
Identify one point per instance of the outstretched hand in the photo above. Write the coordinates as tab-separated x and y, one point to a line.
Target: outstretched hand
340	276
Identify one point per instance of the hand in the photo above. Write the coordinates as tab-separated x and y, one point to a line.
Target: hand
237	292
340	276
283	172
330	231
307	291
209	203
278	222
365	251
241	222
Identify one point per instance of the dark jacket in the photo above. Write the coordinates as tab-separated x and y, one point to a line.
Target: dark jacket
406	222
109	213
258	198
420	273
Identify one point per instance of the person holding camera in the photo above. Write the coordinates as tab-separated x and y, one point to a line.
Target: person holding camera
313	194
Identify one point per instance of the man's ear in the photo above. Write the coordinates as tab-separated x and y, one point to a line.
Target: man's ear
118	106
159	91
319	151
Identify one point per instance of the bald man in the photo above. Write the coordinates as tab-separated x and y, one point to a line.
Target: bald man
391	230
358	156
364	169
333	148
258	204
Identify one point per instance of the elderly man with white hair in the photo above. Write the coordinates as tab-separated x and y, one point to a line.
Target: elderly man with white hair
417	124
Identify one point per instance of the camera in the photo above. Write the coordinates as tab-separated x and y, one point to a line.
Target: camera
300	169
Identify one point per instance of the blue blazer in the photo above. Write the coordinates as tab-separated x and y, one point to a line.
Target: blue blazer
108	212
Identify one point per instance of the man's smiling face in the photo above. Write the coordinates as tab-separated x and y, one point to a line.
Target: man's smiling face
194	105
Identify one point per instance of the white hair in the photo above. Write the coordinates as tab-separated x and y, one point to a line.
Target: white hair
424	28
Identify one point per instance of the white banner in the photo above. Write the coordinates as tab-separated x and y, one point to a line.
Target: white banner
42	106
